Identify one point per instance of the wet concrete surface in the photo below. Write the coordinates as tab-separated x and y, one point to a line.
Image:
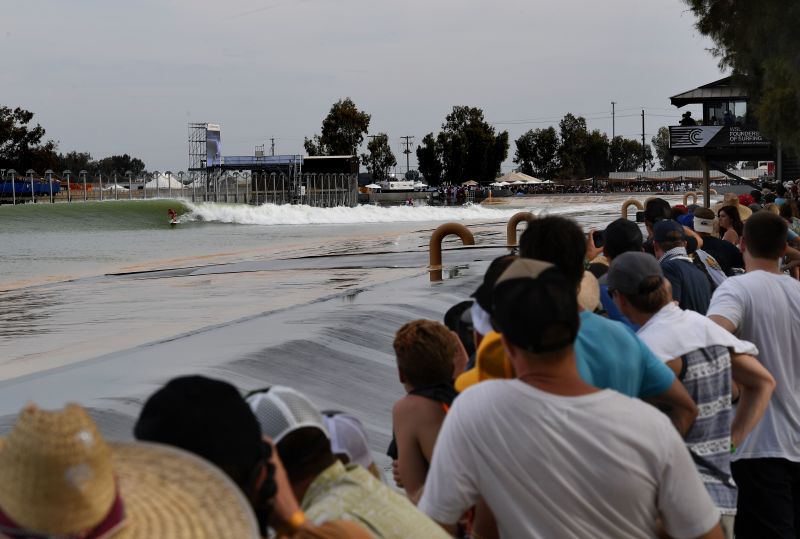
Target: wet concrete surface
337	350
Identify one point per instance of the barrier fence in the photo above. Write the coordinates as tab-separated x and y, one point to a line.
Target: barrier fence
312	189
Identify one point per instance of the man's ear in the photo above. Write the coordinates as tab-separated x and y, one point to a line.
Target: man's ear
621	301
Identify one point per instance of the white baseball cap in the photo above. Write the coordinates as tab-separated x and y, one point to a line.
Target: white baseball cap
348	437
281	410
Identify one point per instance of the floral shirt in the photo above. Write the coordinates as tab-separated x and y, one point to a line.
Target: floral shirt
351	493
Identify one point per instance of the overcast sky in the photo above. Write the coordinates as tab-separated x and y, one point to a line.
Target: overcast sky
110	77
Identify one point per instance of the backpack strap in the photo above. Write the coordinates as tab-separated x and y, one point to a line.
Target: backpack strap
698	263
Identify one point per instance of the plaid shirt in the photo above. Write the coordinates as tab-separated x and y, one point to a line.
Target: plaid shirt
351	493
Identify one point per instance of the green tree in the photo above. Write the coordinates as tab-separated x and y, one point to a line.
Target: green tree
626	154
380	157
574	141
429	160
412	175
343	130
75	161
537	152
21	144
313	146
595	154
470	148
119	164
759	41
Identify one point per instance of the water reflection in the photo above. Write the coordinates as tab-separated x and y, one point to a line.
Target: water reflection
24	312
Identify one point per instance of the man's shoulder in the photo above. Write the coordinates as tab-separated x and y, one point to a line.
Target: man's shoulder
412	404
483	390
751	284
598	327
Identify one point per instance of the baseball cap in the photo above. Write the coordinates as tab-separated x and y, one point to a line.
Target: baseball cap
281	410
704	220
490	363
348	437
668	230
622	236
535	307
687	219
483	295
629	270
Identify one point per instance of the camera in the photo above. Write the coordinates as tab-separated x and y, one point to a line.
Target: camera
640	217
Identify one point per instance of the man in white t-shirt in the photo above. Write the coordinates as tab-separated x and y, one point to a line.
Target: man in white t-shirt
551	455
763	307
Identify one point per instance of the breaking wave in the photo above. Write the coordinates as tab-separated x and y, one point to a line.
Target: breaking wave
272	214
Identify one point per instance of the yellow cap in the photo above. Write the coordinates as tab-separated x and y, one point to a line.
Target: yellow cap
491	363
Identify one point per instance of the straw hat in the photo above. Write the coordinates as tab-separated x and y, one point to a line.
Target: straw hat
589	293
731	199
57	477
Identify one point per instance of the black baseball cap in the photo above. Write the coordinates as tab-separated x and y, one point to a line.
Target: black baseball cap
483	295
535	307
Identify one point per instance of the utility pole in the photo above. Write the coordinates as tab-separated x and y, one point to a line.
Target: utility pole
644	148
613	119
407	151
272	146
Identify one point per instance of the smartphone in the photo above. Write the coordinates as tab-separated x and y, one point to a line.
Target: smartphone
599	238
640	217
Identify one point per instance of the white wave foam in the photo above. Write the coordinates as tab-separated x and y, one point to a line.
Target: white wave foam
272	214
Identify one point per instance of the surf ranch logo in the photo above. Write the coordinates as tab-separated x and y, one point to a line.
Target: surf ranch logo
692	136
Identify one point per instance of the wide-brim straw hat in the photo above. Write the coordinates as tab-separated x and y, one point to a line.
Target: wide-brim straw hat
589	293
732	200
59	477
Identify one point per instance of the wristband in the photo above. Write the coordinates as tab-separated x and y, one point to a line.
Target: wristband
733	448
294	523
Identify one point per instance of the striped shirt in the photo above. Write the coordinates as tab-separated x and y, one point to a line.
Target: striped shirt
706	375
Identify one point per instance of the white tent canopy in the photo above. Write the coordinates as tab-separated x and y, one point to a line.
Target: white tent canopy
517	178
163	182
373	186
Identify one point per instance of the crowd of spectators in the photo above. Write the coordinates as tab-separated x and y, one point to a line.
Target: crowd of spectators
647	387
453	194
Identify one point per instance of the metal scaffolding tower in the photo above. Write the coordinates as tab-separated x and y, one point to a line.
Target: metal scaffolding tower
197	154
